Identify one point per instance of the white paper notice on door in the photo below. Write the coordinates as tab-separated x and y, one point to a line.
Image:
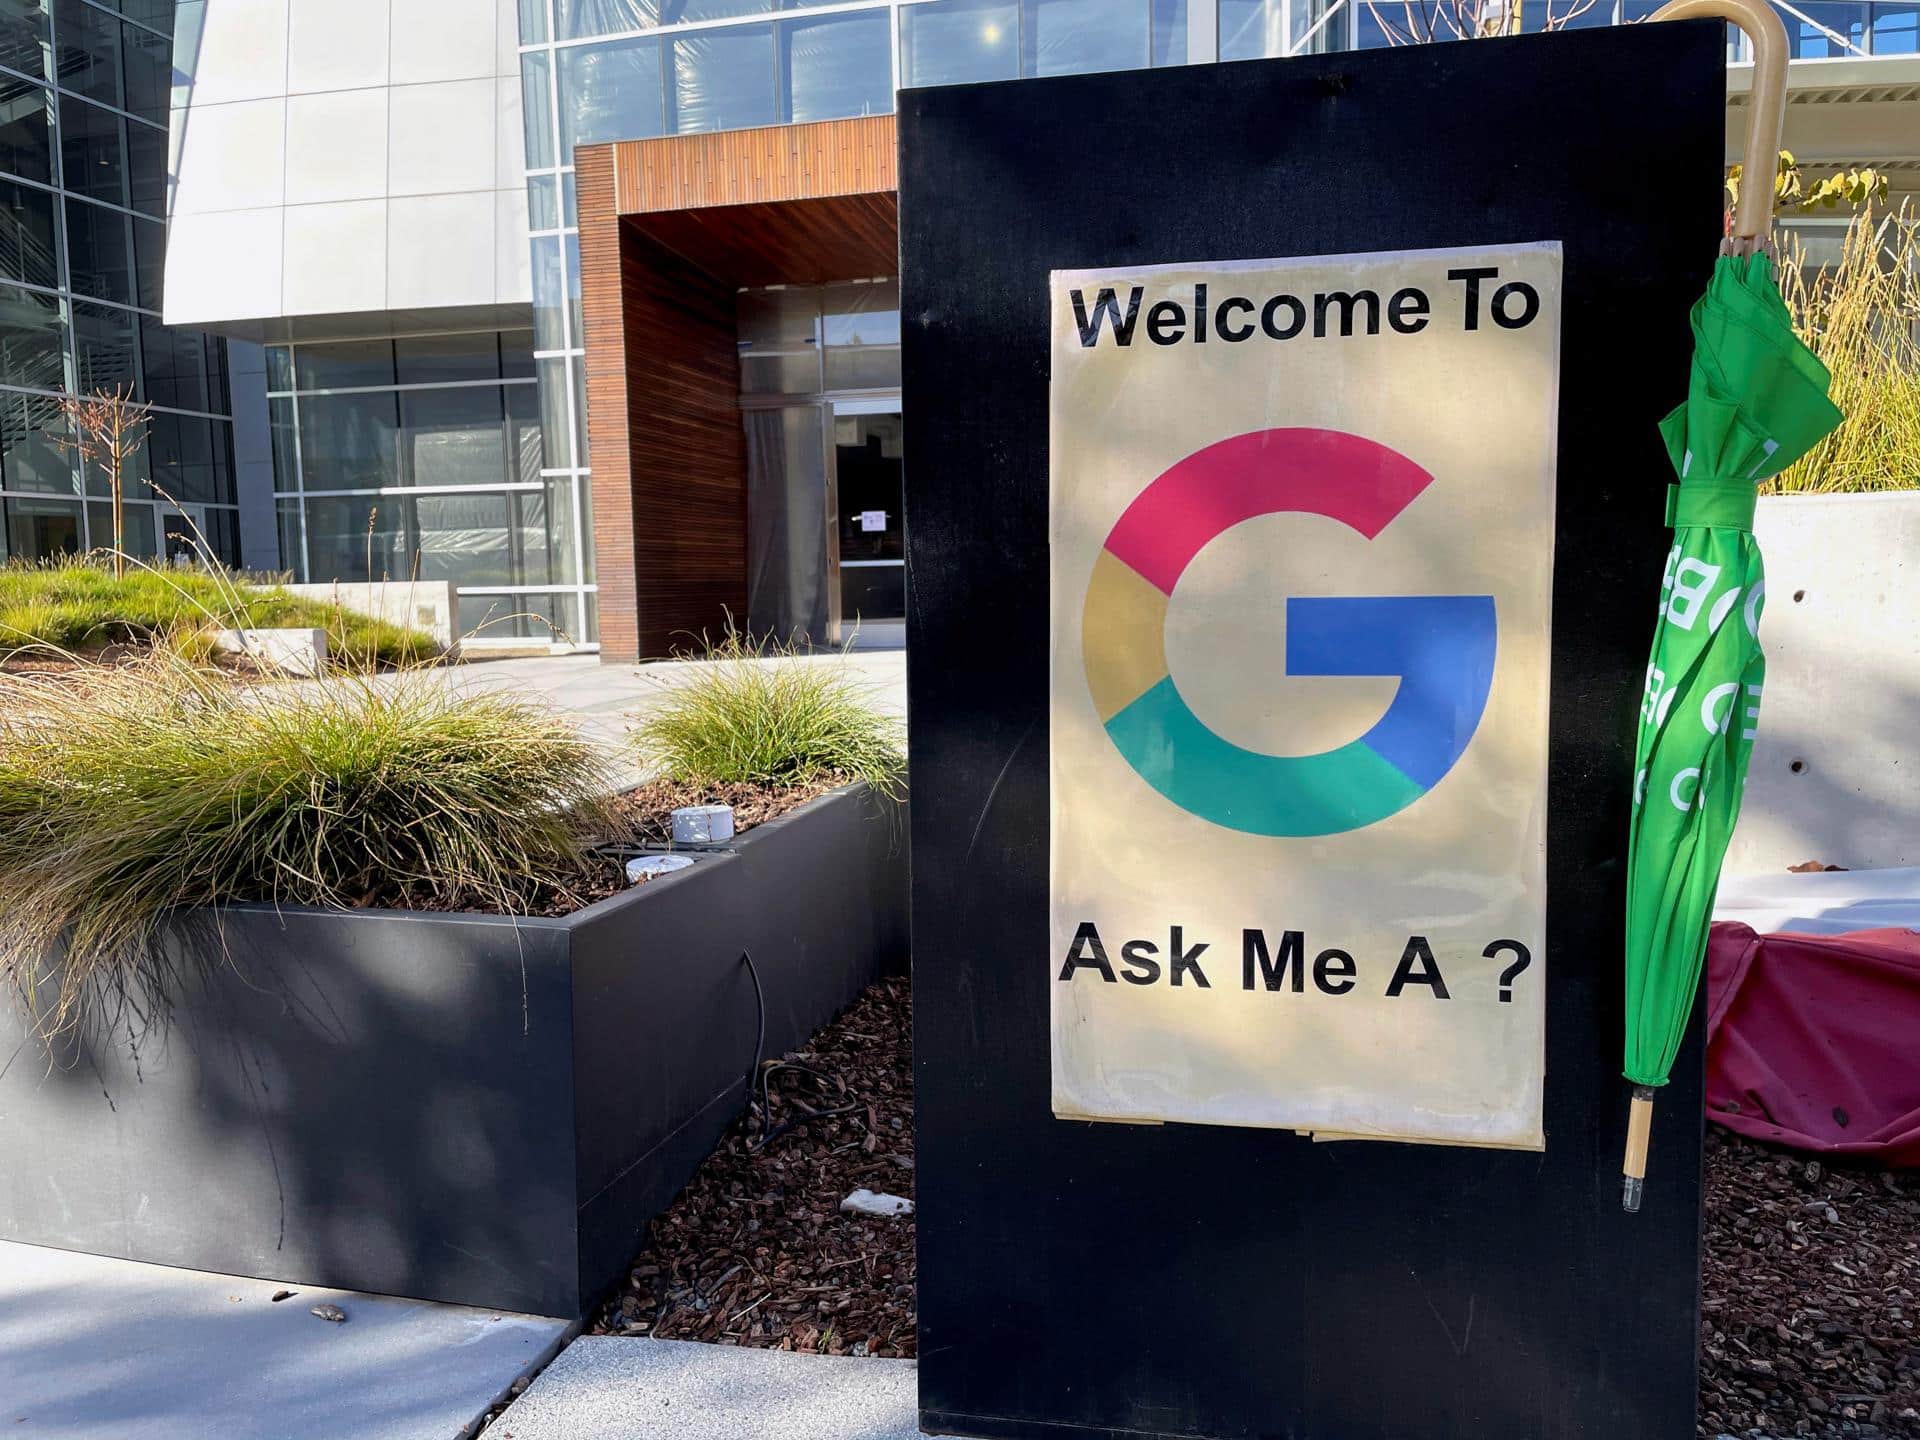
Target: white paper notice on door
1301	538
872	520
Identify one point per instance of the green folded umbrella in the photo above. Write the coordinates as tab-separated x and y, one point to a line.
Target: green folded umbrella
1756	402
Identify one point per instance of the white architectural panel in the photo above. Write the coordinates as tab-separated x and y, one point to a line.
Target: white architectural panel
299	128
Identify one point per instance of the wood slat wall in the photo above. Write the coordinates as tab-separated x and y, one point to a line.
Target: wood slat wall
748	167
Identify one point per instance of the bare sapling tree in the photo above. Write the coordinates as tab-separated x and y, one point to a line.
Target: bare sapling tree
107	429
1419	22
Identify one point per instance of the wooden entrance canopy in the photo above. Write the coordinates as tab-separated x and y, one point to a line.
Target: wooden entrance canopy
670	229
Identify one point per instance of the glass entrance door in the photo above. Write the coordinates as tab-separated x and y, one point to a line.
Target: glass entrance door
870	522
182	535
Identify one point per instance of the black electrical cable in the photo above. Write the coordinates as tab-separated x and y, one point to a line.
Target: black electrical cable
759	1080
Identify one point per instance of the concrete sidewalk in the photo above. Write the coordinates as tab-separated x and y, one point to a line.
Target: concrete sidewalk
99	1349
610	1388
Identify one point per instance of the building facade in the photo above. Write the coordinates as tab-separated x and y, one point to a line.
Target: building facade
589	305
84	94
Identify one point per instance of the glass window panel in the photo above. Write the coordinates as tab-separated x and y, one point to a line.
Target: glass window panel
99	257
956	41
543	202
350	442
33	336
345	365
437	359
157	13
554	426
147	168
533	21
673	12
517	617
104	341
293	546
516	354
575	18
723	80
286	472
178	365
1170	31
148	62
536	95
30	457
578	369
136	528
549	295
562	558
279	368
222	530
39	529
1072	37
862	314
838	65
611	92
453	437
223	486
569	199
524	455
358	537
150	262
93	153
26	129
863	369
779	319
1256	29
780	374
1809	38
577	335
23	36
463	538
89	51
182	447
29	238
1896	29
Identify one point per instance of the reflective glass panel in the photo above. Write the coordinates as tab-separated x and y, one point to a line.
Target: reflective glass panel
179	366
723	80
23	36
104	341
182	450
32	339
536	99
553	412
533	20
29	241
549	295
358	537
136	528
148	62
837	65
93	155
1071	37
543	202
436	359
861	314
39	529
150	262
955	41
1170	31
29	458
350	442
674	12
1823	31
453	437
26	129
1896	29
89	51
344	366
1255	29
575	18
99	257
611	92
523	432
147	168
516	354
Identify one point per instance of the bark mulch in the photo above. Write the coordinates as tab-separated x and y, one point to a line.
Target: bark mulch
1808	1308
756	1251
1810	1270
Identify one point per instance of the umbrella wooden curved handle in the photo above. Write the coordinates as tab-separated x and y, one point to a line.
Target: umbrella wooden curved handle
1753	217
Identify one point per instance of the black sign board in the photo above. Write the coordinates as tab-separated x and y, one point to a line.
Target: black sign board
1106	1280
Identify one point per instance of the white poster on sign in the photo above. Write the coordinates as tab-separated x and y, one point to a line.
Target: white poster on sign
1302	564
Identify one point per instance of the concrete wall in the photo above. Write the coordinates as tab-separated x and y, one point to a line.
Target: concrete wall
345	157
429	605
1842	703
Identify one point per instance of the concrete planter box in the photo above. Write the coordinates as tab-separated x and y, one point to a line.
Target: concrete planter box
454	1107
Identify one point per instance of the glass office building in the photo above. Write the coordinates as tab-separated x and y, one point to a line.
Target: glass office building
84	90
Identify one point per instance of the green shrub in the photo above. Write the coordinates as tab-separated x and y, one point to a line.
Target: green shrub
128	792
79	605
764	715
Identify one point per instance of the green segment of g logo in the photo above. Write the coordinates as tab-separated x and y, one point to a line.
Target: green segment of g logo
1441	648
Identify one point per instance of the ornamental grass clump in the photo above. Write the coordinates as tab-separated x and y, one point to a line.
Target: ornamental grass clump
127	794
763	714
1861	316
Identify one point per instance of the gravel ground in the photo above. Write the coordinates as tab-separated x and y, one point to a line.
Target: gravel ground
1810	1271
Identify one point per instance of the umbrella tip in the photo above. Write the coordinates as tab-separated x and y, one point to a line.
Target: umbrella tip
1630	1188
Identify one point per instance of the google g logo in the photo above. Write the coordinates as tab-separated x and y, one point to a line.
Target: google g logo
1441	647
